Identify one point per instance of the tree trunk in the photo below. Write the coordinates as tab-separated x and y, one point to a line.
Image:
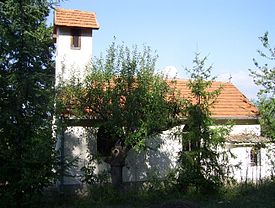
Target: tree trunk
116	174
117	162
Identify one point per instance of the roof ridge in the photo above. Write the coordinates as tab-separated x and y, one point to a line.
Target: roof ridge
78	10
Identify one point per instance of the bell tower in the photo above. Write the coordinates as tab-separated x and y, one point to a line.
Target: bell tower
73	32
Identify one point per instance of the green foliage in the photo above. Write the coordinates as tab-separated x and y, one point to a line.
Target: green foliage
264	76
199	164
134	96
91	177
124	92
26	100
160	185
124	96
242	195
100	195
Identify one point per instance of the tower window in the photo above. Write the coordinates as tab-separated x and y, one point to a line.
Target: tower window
75	39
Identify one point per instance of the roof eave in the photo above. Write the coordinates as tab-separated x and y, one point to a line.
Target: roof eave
78	26
241	120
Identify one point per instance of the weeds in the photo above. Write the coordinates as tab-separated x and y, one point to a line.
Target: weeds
148	195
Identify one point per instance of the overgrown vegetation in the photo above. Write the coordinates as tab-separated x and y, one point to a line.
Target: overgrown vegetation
27	157
126	99
242	195
200	164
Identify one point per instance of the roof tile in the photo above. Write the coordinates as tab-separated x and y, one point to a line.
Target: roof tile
230	103
75	18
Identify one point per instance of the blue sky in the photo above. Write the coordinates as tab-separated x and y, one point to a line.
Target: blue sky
226	31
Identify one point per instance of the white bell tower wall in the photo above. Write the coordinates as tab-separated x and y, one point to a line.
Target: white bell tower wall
72	61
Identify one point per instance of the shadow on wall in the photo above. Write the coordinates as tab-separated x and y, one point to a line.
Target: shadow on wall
92	150
158	160
78	143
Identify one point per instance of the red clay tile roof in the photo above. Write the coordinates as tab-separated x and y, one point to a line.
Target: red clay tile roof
231	103
75	18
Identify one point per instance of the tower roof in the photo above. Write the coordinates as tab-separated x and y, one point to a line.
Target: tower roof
75	18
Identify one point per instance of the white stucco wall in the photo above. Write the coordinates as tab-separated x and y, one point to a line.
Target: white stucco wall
79	142
76	151
72	61
162	156
246	129
246	170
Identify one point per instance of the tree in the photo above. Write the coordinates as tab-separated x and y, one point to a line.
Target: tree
264	77
26	100
199	160
129	100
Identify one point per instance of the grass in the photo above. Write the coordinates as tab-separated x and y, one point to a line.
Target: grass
244	195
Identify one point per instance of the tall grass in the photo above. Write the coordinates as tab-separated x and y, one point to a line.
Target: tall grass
242	195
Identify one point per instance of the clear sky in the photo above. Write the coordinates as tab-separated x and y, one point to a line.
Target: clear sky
226	31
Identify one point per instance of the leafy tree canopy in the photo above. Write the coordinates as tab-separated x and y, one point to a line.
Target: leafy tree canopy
123	91
264	76
199	160
26	92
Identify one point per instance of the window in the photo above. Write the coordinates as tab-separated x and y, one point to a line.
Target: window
75	39
255	156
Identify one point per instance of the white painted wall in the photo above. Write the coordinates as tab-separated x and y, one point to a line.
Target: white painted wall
159	159
163	154
76	149
246	129
248	172
79	142
70	61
